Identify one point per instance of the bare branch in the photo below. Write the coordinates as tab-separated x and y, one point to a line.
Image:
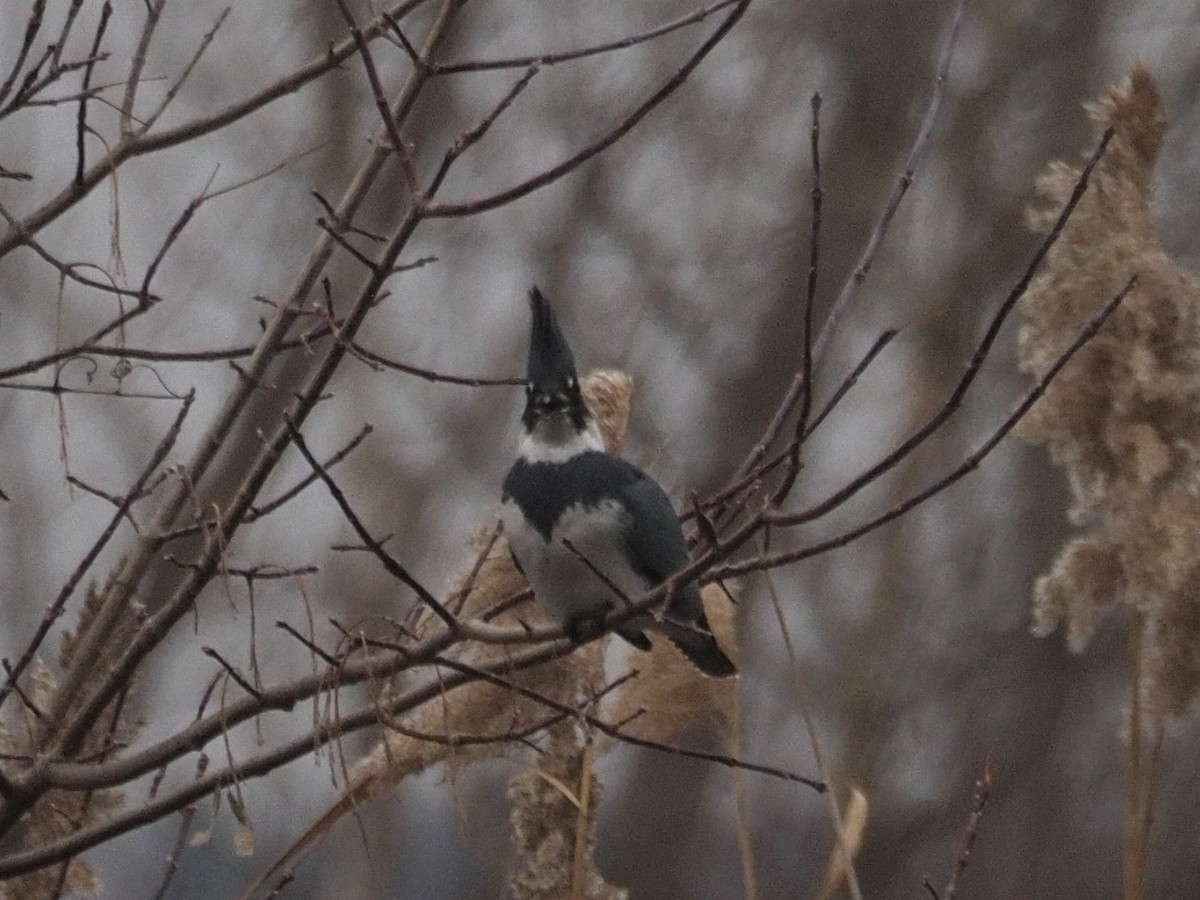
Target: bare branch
32	25
549	59
81	122
399	145
232	671
393	566
154	10
549	176
182	78
150	631
429	374
973	367
915	153
799	387
56	607
143	144
615	731
969	464
473	135
983	790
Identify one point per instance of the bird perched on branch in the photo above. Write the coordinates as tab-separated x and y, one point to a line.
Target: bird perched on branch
591	531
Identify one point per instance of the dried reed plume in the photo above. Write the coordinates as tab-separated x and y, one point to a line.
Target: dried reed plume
1123	418
59	812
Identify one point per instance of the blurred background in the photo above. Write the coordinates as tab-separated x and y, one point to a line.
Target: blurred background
680	256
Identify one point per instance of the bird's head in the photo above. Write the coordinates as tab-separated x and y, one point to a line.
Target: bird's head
555	415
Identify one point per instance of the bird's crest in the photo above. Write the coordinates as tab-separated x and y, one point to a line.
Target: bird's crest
551	363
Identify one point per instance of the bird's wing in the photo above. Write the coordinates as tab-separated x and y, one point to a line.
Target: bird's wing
655	539
658	550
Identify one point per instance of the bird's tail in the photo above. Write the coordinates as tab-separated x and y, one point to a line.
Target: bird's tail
695	640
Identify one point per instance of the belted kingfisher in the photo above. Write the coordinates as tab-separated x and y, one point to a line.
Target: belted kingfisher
583	524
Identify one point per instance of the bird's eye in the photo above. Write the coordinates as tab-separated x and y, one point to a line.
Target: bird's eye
572	384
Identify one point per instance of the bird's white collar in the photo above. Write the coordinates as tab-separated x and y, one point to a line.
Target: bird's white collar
535	448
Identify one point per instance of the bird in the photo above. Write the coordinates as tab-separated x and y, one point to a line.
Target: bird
587	529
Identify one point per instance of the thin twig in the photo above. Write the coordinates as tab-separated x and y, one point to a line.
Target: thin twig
612	586
915	153
615	732
750	482
720	759
983	790
13	684
810	294
154	10
232	671
81	119
549	59
59	391
851	379
399	145
149	354
32	25
69	20
814	257
467	739
311	645
186	815
345	226
473	135
357	254
455	604
179	82
430	374
393	566
257	512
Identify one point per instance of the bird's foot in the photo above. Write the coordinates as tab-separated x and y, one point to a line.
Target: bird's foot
584	628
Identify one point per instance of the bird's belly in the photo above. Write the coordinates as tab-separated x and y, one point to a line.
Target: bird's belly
561	581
